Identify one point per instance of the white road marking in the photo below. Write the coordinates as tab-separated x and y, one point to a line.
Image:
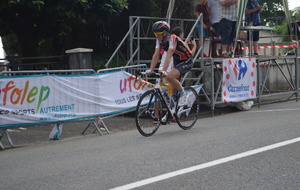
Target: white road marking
204	165
279	110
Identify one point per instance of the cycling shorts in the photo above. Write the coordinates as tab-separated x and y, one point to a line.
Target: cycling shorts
185	66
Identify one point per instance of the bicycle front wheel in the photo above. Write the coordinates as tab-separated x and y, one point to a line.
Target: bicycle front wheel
149	102
187	115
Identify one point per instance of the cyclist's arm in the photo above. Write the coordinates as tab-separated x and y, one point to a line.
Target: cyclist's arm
155	58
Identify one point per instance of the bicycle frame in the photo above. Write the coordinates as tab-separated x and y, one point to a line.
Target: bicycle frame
158	90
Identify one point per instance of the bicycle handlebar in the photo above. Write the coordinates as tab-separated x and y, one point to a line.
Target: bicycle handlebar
152	74
155	75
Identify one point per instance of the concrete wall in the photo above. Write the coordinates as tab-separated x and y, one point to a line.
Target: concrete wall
80	58
275	80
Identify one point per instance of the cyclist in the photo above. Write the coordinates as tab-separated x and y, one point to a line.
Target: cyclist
178	32
181	53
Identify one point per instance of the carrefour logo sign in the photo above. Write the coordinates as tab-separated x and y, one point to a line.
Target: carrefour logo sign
240	69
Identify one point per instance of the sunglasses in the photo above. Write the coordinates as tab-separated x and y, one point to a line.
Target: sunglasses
158	33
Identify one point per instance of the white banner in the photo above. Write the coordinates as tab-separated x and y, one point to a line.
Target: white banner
41	99
239	79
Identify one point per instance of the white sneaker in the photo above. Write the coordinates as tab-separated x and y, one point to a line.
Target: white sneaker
164	119
183	100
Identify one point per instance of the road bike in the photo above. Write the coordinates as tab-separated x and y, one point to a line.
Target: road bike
167	106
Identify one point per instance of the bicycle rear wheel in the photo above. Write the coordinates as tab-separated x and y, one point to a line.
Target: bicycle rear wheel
187	115
144	115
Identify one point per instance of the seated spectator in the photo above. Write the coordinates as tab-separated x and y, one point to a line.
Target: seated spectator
192	42
202	7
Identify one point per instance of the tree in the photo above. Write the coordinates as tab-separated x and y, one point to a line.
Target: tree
49	27
283	29
273	12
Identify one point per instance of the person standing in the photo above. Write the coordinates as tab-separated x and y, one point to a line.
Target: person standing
214	16
228	15
252	18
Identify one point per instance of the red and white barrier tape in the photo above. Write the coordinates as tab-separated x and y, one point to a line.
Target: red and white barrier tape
295	45
269	47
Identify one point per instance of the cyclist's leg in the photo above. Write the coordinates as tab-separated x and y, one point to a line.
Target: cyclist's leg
173	98
180	70
172	78
156	112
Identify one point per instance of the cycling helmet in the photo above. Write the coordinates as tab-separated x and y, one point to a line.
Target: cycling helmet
161	26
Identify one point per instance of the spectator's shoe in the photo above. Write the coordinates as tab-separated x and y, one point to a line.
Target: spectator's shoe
183	100
254	55
225	55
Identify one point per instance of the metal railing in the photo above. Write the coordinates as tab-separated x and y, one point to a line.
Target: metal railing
35	63
133	69
141	42
45	71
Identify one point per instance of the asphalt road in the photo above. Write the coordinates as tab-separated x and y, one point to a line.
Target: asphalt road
256	149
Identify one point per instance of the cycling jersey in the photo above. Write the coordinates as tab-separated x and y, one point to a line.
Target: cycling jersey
182	51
